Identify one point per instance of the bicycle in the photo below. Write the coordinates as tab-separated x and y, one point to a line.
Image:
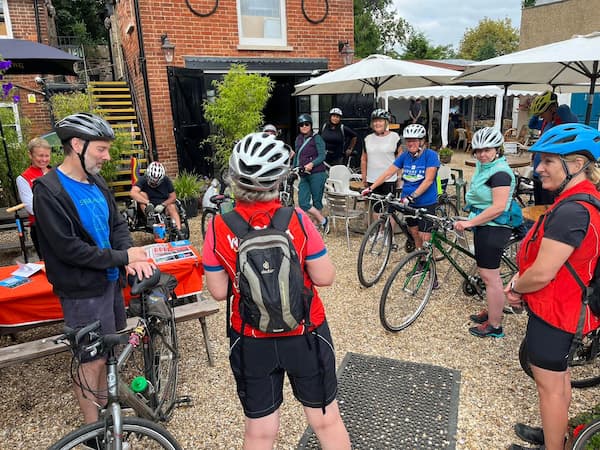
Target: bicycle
589	437
377	243
113	431
20	229
138	221
583	367
286	191
223	204
412	281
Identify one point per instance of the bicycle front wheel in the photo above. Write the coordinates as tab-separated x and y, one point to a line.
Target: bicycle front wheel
407	291
161	357
589	437
374	252
208	215
446	209
137	432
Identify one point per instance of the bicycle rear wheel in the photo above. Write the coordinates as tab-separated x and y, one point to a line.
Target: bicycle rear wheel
137	432
374	252
583	370
407	291
589	437
160	361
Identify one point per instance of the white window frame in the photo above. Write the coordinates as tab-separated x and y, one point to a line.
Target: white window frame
264	42
9	33
17	124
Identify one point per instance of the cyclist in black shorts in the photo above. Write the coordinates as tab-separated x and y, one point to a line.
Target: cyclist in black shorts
488	198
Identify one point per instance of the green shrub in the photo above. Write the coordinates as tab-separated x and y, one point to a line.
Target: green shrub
17	153
187	185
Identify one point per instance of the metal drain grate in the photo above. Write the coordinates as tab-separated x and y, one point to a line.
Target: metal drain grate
391	404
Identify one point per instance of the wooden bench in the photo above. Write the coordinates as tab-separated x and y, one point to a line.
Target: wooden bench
26	351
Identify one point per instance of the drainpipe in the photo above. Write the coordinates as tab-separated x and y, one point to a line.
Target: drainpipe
38	26
143	70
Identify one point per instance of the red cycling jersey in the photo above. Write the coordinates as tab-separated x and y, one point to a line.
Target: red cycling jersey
559	302
222	256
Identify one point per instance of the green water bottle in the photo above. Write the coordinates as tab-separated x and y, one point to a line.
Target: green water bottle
140	386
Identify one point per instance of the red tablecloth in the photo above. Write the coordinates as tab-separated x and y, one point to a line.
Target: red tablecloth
34	302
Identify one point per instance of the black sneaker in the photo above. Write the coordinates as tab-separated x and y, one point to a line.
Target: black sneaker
480	317
533	435
486	330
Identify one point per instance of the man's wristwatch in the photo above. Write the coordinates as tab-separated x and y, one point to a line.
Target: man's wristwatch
513	290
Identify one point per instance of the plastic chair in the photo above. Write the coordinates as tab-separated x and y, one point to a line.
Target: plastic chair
463	139
339	179
339	205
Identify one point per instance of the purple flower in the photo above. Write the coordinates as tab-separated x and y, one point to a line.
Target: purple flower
5	65
16	98
6	88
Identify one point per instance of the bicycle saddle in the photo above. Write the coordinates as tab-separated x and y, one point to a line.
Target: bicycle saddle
138	286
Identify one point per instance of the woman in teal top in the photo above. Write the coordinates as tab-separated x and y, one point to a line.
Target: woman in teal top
488	201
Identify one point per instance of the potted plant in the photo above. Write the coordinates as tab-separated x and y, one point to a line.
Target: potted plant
445	155
187	188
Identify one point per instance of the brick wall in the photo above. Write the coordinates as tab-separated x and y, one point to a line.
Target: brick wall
217	35
553	22
22	19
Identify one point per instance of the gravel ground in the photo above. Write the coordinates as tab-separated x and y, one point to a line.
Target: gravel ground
38	407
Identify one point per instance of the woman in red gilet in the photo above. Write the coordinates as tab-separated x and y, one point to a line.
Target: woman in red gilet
566	237
39	153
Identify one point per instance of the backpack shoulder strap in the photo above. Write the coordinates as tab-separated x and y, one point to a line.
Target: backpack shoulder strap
581	198
282	217
343	134
236	223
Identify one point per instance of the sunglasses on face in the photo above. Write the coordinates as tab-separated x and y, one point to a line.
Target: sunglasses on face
305	124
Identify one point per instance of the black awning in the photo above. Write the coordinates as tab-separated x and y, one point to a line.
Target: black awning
262	65
29	57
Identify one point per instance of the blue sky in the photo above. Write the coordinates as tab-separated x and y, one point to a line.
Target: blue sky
445	21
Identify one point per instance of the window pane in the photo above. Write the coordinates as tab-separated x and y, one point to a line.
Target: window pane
264	8
2	19
261	19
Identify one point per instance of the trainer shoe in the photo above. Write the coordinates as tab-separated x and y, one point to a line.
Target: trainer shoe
149	214
325	226
480	317
533	435
486	330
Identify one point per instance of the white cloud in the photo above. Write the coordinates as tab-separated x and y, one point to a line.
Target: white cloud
445	22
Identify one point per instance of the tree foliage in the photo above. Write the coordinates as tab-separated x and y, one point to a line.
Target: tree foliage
488	39
237	109
419	47
378	28
81	18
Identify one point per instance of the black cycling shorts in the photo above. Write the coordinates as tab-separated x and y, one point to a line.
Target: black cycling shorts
425	225
489	244
267	360
547	346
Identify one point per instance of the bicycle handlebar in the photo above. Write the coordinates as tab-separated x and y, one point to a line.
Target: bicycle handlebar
138	286
15	208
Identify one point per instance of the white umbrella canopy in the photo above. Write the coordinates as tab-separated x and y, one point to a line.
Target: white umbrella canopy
373	73
560	64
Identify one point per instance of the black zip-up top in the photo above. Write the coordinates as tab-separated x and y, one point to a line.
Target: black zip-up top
75	265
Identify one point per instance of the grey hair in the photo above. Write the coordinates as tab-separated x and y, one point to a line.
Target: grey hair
248	196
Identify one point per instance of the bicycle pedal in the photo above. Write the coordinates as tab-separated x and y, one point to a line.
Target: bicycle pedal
184	400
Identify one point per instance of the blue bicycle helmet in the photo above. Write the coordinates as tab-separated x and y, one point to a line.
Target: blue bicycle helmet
569	138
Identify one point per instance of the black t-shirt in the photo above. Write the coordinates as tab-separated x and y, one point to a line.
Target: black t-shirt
157	194
568	224
335	142
498	179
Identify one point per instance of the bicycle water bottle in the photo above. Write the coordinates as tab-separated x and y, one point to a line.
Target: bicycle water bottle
141	387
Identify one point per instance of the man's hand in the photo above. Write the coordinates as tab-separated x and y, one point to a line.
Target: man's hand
366	192
159	208
406	200
136	254
142	269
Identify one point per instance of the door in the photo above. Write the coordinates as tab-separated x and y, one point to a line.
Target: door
187	92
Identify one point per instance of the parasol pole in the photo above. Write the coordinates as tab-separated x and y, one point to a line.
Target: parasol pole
588	111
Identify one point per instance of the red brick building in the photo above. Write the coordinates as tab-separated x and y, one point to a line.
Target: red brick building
287	40
27	19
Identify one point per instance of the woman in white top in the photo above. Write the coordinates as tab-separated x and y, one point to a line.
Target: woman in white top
382	147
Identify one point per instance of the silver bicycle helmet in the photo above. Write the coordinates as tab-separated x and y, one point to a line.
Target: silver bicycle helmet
155	173
269	128
258	162
336	111
380	113
487	137
414	131
88	127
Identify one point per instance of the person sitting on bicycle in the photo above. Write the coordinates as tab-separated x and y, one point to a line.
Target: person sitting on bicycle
154	192
260	360
417	168
567	233
488	198
86	244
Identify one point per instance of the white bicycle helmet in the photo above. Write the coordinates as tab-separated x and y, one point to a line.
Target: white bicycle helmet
155	173
269	128
336	111
414	131
258	162
487	137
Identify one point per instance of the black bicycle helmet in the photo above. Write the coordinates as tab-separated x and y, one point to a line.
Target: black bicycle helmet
304	118
86	126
